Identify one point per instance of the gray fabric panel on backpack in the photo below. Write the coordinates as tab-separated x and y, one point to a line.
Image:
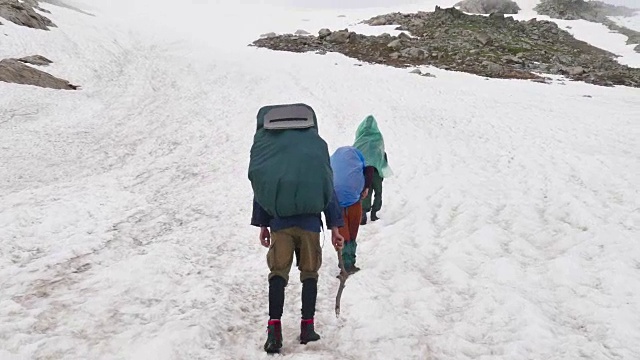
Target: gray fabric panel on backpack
289	117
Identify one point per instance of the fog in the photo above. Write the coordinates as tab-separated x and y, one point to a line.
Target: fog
628	3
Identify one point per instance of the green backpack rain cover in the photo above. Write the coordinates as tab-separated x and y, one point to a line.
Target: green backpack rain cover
371	144
289	166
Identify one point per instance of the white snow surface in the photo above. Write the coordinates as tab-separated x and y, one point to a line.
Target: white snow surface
509	231
632	22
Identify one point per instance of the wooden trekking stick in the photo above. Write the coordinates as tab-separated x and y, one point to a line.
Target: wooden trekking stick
343	278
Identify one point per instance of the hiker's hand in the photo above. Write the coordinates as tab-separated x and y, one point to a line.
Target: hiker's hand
265	236
336	238
364	193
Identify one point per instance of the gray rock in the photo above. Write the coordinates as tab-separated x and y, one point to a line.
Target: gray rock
36	60
417	23
34	4
23	14
574	71
563	59
14	71
493	68
404	36
395	44
541	80
413	53
302	32
484	39
323	33
381	20
338	37
428	75
415	71
512	59
489	6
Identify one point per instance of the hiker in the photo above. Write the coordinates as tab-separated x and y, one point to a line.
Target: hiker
370	142
291	189
375	192
352	180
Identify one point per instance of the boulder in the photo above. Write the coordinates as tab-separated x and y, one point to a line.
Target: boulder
22	13
38	60
14	71
574	71
323	33
339	37
395	44
413	53
484	39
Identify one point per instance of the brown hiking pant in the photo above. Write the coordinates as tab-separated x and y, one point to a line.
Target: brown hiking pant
280	254
352	216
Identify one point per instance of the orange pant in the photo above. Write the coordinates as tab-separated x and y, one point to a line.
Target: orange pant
352	216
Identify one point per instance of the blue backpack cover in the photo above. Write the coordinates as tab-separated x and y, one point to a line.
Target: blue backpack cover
348	165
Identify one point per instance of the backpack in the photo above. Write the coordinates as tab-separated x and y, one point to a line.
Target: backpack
348	164
289	166
370	142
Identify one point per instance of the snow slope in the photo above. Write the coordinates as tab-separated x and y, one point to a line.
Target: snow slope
632	22
509	230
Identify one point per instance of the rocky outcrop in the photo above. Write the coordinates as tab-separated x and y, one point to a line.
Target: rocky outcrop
579	9
17	72
23	13
38	60
488	6
594	11
492	46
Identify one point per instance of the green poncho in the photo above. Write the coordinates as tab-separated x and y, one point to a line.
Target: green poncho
370	142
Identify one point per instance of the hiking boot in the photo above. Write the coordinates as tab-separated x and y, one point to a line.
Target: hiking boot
363	219
374	216
274	337
307	332
352	270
